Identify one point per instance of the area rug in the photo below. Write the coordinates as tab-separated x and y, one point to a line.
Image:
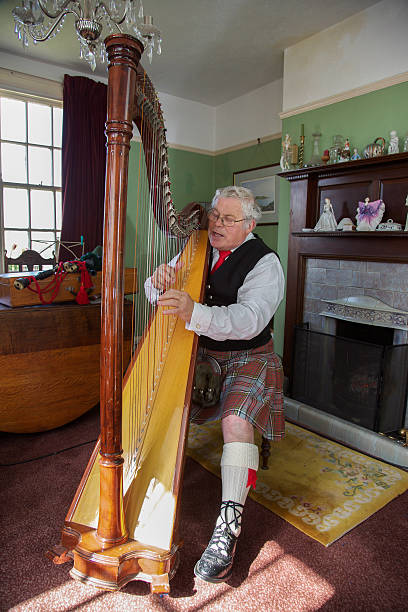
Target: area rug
321	487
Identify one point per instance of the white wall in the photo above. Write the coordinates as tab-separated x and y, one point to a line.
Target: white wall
251	116
368	47
44	70
189	124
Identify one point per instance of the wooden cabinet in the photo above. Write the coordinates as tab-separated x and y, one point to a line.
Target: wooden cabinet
345	184
49	364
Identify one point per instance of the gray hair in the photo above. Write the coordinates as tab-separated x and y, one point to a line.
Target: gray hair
250	209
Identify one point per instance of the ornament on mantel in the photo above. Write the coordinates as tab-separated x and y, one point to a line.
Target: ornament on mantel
393	147
369	215
286	153
406	222
345	154
325	156
327	221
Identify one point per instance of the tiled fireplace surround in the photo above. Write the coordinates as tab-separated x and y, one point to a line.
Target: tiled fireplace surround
330	279
334	279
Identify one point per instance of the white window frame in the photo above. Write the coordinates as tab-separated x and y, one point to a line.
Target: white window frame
8	82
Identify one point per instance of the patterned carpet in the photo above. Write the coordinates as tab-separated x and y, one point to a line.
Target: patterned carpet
321	487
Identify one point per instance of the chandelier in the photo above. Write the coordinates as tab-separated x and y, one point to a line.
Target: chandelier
94	20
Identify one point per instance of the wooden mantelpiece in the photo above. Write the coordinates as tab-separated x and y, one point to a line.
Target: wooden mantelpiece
345	184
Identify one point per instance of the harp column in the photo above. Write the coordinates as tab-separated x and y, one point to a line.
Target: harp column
124	53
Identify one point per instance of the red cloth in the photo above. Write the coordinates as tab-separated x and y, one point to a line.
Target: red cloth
223	256
251	478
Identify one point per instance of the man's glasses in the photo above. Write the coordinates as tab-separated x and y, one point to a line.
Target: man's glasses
227	220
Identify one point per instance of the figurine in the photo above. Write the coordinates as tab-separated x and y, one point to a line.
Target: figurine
345	152
369	215
406	221
375	149
285	158
393	147
355	155
346	225
327	221
325	156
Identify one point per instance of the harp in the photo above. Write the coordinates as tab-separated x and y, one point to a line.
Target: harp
123	522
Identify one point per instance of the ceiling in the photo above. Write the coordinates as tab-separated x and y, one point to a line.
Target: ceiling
213	50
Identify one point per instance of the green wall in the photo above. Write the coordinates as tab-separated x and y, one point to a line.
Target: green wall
192	177
361	119
262	154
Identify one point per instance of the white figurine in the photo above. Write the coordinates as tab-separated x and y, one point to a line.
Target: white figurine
406	221
285	158
369	215
327	221
394	143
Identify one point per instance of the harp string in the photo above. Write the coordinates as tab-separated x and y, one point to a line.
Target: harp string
149	353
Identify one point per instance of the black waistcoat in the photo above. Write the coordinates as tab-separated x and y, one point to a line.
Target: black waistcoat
222	289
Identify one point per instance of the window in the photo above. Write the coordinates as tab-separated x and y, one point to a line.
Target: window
30	175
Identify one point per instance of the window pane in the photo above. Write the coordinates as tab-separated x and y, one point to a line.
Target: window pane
58	200
13	119
39	166
15	242
42	209
57	167
57	126
13	163
44	243
15	206
39	124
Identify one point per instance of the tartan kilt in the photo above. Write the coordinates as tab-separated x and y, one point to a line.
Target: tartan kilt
252	389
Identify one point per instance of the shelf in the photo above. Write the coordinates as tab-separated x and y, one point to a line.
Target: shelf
374	234
328	170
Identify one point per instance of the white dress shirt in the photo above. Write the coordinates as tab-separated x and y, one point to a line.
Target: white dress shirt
257	301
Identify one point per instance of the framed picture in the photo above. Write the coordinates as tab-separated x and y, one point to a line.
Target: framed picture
264	185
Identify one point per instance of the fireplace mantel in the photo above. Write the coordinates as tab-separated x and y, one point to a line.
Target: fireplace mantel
345	184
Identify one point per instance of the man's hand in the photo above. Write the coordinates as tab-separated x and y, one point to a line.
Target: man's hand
178	303
165	276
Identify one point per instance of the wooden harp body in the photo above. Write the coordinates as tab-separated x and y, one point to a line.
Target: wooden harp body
123	522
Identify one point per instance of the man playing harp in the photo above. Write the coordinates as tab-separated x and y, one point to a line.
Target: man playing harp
244	288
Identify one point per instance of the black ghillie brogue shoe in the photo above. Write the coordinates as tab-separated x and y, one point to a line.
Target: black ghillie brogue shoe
216	561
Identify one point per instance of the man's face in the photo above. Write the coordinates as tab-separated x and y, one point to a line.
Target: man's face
226	238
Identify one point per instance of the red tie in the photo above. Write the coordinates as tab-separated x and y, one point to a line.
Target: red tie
223	256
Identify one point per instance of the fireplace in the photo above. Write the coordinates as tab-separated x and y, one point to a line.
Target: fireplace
350	354
346	327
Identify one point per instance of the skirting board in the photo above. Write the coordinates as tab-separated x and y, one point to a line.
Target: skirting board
357	437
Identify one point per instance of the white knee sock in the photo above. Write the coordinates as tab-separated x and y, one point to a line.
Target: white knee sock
238	458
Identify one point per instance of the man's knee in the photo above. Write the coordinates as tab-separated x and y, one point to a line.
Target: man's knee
236	429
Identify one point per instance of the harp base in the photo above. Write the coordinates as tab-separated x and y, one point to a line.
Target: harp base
112	568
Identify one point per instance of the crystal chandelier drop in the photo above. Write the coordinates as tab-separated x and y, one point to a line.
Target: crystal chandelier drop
94	20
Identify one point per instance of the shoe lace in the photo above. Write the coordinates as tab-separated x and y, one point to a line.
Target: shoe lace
223	536
221	541
235	521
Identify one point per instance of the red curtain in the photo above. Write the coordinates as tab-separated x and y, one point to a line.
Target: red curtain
83	163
